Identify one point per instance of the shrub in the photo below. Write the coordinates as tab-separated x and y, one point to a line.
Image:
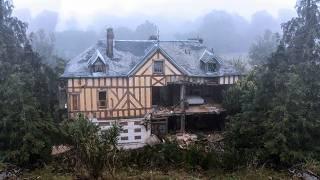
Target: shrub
95	150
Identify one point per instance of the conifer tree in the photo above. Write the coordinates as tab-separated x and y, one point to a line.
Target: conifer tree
280	120
26	124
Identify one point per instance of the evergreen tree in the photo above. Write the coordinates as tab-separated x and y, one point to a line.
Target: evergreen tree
26	106
277	117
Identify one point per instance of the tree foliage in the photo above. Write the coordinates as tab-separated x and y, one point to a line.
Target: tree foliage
27	102
263	48
94	149
277	117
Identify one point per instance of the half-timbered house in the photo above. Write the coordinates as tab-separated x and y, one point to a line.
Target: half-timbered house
169	85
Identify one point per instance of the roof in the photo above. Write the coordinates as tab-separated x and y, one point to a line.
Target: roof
96	56
129	55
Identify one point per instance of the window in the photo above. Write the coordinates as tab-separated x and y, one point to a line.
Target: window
102	99
125	138
104	123
137	130
99	66
137	137
124	131
211	67
158	67
137	123
75	98
123	123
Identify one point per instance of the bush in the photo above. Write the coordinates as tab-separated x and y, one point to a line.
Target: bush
94	150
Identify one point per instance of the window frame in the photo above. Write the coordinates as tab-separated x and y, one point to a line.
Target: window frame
124	138
98	66
72	100
99	101
124	131
213	64
154	64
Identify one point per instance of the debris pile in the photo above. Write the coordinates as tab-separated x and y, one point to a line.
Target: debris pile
153	140
211	142
303	174
57	150
196	109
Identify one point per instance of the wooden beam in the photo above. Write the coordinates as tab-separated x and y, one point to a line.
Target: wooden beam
183	109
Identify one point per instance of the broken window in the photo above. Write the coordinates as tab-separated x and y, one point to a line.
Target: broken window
102	99
75	98
158	67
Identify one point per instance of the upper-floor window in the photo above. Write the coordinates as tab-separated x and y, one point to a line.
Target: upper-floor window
102	99
75	99
99	66
158	67
211	67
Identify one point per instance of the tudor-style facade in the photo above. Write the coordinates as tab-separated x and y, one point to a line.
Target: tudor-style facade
118	80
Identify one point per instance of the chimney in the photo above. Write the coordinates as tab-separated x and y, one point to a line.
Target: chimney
110	38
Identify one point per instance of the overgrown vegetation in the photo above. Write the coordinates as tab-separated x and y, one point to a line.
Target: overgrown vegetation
93	149
275	108
274	114
27	94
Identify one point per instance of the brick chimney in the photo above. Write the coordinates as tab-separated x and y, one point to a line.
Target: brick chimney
110	38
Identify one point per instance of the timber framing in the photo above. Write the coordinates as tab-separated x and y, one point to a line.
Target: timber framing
131	96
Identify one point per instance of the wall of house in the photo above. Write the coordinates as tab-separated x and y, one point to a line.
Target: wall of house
127	97
134	133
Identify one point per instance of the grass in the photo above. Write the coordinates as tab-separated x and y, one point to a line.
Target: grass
2	166
47	174
244	174
253	174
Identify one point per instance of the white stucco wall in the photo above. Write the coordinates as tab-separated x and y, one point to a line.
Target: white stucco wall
129	137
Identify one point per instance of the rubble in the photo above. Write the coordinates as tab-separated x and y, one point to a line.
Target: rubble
153	140
56	150
211	141
190	110
304	174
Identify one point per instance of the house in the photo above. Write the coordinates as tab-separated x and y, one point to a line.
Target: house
147	86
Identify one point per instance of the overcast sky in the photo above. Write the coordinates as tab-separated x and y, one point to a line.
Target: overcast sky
176	8
184	9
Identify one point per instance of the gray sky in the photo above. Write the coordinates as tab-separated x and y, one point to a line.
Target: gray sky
184	10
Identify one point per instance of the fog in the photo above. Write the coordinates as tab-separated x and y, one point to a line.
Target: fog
222	27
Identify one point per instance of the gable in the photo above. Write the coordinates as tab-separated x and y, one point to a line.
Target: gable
147	67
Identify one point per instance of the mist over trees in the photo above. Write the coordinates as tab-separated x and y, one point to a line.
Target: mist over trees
225	32
28	93
275	108
264	46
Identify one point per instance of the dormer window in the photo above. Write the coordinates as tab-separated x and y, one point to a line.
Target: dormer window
209	63
97	63
98	66
211	67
